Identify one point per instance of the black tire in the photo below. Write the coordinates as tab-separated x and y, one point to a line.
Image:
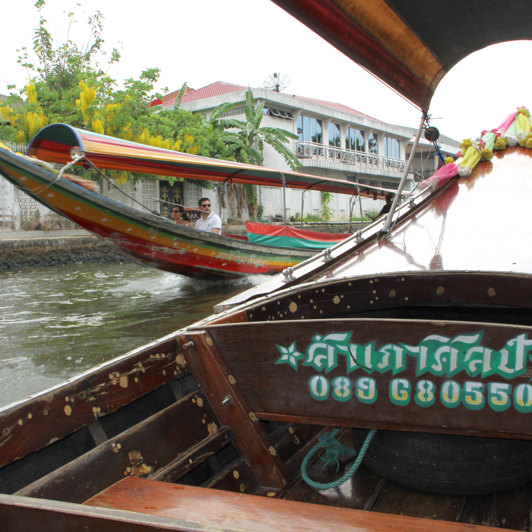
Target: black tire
452	465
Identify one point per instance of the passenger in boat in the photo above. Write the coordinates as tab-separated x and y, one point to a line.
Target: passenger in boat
385	209
208	221
180	217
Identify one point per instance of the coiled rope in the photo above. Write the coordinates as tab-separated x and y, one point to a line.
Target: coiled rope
333	450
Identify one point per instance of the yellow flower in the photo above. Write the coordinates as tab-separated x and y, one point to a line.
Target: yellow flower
193	150
6	113
97	126
86	97
143	137
121	178
33	122
156	141
31	93
126	132
20	137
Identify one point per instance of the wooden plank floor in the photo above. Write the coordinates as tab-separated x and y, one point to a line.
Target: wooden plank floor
367	491
210	509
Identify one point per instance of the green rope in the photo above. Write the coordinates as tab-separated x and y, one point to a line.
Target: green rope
333	450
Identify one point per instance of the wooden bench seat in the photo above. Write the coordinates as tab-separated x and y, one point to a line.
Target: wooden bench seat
209	509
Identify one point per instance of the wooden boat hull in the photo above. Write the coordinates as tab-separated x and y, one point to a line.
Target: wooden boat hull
423	328
147	238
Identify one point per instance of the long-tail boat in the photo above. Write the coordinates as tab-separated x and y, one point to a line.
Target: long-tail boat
152	239
411	341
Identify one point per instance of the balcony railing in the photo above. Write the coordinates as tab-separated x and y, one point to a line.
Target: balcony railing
331	157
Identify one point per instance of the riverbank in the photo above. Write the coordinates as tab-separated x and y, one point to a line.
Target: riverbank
24	249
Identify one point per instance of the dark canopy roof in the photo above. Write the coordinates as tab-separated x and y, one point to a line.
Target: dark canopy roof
412	44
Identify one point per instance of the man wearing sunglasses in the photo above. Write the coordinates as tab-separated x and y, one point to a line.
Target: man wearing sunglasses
208	221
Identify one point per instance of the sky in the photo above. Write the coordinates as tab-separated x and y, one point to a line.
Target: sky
245	41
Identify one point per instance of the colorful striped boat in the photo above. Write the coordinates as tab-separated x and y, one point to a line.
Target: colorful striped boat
146	237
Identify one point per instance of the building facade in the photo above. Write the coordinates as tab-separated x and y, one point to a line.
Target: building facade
333	141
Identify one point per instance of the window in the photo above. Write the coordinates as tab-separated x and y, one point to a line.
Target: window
355	139
391	147
233	111
373	143
279	113
309	129
334	135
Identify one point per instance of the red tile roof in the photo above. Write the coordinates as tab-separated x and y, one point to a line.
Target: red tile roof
214	89
336	106
219	88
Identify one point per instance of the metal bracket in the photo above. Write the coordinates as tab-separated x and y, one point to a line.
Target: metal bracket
288	274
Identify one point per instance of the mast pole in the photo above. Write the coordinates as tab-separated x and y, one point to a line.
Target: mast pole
284	198
388	223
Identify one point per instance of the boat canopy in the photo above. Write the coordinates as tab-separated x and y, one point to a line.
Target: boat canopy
55	143
412	45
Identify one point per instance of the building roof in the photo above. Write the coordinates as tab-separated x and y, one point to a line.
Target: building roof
220	88
217	88
337	107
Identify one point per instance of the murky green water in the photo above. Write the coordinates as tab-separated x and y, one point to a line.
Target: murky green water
57	322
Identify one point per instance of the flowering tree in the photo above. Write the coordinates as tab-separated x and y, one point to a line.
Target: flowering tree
68	85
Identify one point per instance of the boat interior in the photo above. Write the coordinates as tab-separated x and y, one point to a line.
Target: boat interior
139	445
208	428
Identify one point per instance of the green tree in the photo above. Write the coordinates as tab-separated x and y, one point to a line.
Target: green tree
246	141
68	85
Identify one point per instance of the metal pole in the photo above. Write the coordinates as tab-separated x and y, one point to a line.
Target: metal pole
284	198
389	217
351	202
360	204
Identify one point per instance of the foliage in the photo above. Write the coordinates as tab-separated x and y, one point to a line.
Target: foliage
370	214
307	218
326	210
246	140
69	86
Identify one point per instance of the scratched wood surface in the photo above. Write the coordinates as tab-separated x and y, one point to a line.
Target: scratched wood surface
50	416
214	509
139	451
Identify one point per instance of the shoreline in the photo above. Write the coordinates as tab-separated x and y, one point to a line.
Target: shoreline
26	249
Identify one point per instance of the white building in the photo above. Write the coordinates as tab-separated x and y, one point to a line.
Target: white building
333	141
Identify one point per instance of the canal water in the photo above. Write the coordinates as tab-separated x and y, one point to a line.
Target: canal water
58	322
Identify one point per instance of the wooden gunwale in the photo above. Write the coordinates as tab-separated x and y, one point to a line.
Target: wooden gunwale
67	408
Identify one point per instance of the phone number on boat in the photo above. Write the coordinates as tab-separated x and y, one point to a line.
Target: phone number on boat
473	395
